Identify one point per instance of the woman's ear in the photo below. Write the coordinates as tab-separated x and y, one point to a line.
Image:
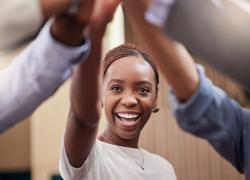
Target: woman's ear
155	108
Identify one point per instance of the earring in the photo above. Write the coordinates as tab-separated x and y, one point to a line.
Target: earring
155	110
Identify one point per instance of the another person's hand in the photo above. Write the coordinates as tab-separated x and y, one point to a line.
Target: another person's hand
52	7
68	29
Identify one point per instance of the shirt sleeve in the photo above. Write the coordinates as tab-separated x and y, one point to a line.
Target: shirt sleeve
34	76
18	21
158	12
212	115
67	171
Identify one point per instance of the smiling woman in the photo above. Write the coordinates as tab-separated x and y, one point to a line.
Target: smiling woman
129	93
129	96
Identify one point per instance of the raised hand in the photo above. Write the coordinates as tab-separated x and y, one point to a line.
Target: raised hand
52	7
68	28
103	13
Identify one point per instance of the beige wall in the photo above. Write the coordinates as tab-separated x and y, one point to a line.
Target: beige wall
48	124
15	148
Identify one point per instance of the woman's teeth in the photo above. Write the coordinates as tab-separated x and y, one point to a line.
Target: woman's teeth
128	116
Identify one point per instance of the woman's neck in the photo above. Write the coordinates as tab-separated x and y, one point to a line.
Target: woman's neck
116	140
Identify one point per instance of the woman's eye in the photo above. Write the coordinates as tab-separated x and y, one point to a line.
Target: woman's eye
116	89
144	90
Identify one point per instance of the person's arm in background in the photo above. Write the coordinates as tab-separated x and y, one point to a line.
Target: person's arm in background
202	108
216	31
41	68
20	20
176	59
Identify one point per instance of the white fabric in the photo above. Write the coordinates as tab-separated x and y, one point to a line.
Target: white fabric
112	162
19	19
34	76
158	11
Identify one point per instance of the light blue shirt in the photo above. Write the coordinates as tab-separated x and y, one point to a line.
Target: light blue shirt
34	76
212	115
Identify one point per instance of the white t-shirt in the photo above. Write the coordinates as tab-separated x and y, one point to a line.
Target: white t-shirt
112	162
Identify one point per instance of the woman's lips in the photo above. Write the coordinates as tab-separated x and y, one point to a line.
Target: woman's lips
128	119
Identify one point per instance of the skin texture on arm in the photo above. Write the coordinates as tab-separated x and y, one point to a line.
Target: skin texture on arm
176	65
84	116
83	120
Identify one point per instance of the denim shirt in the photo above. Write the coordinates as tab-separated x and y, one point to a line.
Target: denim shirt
212	115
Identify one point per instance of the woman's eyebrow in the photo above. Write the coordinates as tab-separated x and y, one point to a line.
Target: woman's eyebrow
115	81
143	82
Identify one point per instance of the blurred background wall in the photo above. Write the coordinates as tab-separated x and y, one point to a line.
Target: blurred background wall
33	146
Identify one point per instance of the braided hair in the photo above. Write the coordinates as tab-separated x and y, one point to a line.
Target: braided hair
126	50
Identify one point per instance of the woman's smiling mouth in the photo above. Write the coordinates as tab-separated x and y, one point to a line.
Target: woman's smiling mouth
128	119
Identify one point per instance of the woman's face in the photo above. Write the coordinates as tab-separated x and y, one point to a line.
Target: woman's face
129	95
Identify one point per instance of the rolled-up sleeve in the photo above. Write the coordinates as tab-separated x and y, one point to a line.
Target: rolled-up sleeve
35	75
212	115
198	103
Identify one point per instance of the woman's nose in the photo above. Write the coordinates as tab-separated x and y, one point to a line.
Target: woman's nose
129	100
